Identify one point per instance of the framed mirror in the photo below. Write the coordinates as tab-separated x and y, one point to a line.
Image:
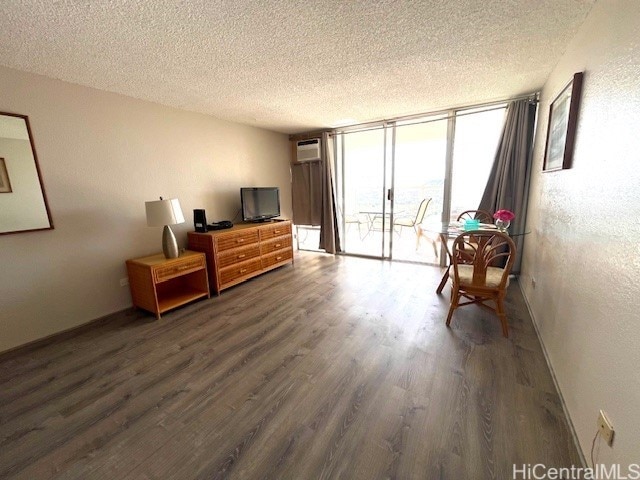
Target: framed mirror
23	203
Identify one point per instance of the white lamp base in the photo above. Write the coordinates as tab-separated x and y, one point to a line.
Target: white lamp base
169	243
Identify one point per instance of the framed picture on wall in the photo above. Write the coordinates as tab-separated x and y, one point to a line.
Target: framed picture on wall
561	129
5	183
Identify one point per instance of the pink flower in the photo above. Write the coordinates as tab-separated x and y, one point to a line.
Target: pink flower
504	215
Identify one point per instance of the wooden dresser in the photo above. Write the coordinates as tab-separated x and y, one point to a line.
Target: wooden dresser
243	251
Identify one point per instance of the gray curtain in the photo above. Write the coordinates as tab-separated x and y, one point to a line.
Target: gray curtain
306	193
329	235
313	196
508	184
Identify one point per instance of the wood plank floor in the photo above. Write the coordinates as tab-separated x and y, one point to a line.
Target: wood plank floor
337	367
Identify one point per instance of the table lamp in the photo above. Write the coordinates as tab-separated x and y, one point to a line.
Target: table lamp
164	213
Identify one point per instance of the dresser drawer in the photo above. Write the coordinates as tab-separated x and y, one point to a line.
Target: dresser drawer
237	255
236	239
178	268
275	258
274	245
277	230
234	272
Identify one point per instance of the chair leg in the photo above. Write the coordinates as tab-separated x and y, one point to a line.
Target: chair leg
435	247
455	297
418	235
503	317
443	282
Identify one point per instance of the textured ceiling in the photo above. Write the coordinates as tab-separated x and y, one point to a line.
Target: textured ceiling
293	66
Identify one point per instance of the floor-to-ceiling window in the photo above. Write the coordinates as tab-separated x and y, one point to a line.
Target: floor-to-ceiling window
475	142
419	166
386	172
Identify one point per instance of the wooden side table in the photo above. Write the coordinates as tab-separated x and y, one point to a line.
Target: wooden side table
158	284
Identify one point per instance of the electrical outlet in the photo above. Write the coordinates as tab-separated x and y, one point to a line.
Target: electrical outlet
605	428
124	282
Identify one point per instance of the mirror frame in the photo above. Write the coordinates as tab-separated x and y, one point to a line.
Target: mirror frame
37	165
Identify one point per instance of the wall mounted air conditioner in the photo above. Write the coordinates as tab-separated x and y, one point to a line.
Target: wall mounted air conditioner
308	150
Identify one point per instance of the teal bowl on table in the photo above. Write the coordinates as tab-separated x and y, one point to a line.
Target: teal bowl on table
471	224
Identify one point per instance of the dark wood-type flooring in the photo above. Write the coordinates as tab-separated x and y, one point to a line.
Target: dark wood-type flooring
337	367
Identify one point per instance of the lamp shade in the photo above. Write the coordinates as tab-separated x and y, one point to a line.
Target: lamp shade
163	212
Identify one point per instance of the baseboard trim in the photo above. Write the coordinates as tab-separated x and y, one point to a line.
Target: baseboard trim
555	381
29	347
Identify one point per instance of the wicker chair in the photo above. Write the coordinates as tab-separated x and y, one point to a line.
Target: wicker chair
474	276
482	215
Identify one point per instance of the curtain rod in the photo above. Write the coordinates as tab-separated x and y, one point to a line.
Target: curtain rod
441	114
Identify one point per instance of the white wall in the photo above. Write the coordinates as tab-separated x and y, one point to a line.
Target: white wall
584	250
101	156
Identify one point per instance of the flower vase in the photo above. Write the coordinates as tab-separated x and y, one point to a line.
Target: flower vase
502	225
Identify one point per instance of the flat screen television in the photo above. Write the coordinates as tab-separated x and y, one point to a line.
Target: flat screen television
260	204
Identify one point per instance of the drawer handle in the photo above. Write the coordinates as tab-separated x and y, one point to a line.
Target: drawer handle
278	258
278	245
240	240
241	256
186	267
243	270
276	231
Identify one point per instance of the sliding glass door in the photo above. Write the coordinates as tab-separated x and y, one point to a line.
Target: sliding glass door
397	181
419	165
362	166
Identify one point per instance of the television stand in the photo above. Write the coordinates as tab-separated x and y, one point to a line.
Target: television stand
244	251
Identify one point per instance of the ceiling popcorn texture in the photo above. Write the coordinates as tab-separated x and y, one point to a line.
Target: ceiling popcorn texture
293	66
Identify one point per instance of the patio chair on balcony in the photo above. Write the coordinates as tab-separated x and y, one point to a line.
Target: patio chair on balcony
351	219
402	222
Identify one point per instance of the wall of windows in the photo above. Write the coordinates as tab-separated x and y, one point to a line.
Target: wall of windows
385	172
